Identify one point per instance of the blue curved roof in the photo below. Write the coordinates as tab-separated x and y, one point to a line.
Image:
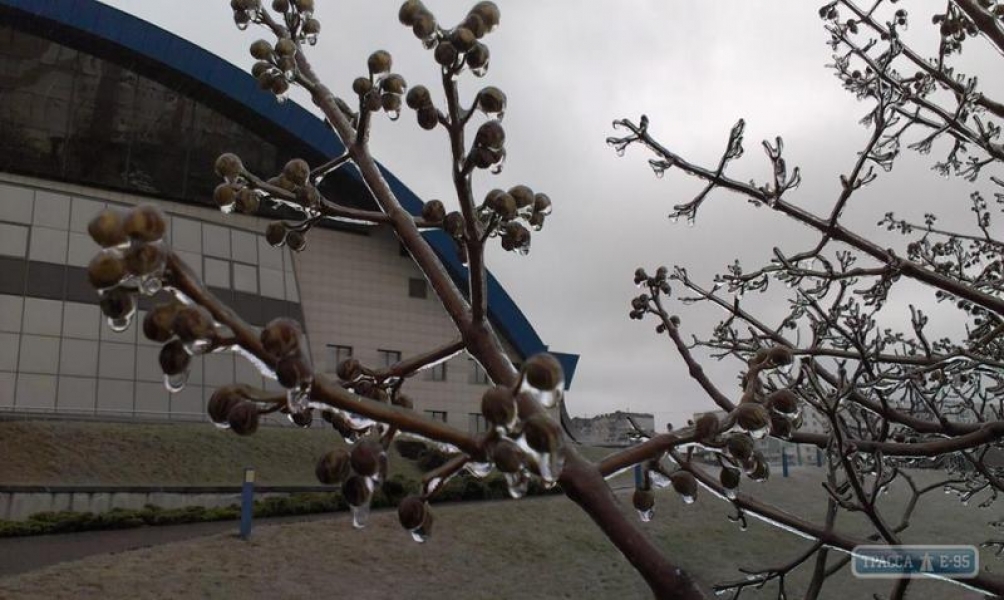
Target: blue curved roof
100	29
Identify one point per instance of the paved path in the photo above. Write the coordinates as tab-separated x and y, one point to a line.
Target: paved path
21	554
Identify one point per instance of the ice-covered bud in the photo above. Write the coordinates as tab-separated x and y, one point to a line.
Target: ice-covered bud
293	371
779	356
507	456
367	457
523	195
783	401
751	416
144	259
643	500
740	446
356	491
174	358
706	428
192	323
379	62
491	100
685	484
158	324
542	434
729	478
489	13
543	372
106	269
145	223
222	401
107	228
498	406
296	170
434	211
229	166
333	467
243	418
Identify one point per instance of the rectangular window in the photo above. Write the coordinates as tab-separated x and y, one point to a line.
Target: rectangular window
476	423
335	355
438	415
417	288
389	357
438	372
478	376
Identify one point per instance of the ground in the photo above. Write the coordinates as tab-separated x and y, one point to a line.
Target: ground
534	548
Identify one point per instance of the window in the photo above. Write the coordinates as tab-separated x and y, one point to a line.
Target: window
438	372
335	355
389	358
478	375
438	415
476	423
417	288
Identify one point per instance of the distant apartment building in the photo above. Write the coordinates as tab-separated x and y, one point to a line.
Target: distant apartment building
613	429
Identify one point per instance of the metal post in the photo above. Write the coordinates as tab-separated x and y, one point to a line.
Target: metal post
638	478
247	502
819	457
784	463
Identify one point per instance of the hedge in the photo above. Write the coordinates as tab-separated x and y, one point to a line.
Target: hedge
461	488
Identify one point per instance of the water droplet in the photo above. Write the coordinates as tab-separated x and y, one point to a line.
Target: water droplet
228	208
394	114
658	479
290	75
480	71
196	347
621	150
419	534
673	219
281	99
119	324
688	499
743	526
360	515
691	220
176	383
430	42
479	469
730	493
150	284
222	425
646	515
312	39
759	434
242	25
298	400
518	484
659	173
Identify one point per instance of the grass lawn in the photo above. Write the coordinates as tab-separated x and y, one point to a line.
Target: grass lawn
74	452
534	548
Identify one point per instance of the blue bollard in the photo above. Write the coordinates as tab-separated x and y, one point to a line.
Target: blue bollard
247	502
638	478
819	457
784	463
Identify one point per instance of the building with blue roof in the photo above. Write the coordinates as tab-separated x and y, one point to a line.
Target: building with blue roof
99	108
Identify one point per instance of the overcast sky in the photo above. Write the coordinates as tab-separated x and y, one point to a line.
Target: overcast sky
569	69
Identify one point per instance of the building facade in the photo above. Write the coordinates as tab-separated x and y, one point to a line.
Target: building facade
100	109
613	429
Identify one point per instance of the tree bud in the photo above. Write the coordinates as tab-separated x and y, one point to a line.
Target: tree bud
463	39
174	359
409	11
542	434
366	457
356	491
275	234
428	117
453	224
418	97
490	135
783	401
106	269
192	323
145	222
434	211
243	418
293	372
523	195
446	54
740	446
729	478
158	323
643	500
107	228
498	406
296	241
117	303
751	416
706	428
393	84
543	372
349	369
379	62
411	512
222	401
477	57
297	170
507	456
684	483
779	356
489	13
144	259
491	100
333	467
